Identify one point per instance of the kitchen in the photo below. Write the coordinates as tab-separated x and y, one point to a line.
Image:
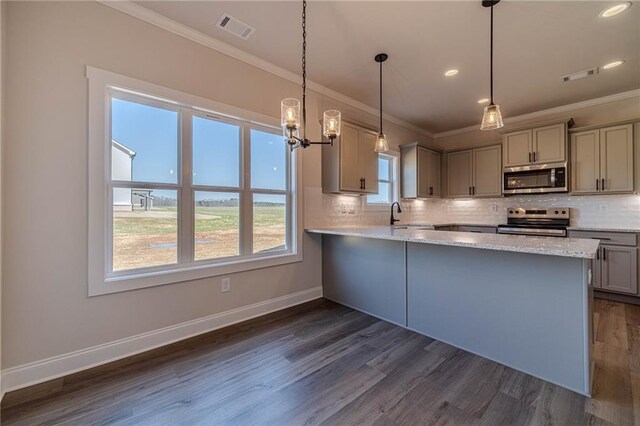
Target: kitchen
346	220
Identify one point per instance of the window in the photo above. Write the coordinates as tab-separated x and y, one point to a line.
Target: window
387	181
191	193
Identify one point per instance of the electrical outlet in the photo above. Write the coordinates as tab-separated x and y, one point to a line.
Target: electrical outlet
344	208
226	285
352	208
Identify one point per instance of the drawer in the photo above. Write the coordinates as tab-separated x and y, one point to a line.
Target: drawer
611	238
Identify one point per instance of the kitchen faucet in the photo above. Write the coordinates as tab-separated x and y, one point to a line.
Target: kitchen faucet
393	220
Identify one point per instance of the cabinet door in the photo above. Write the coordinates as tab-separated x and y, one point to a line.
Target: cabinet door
459	177
596	270
433	173
487	172
428	173
620	269
517	148
369	161
616	159
549	144
423	173
349	158
585	162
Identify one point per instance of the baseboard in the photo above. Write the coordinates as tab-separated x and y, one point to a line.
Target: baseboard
51	368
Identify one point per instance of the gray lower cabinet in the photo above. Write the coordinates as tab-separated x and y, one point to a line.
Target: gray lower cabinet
619	269
615	268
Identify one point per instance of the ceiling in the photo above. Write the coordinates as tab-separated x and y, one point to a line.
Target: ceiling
536	43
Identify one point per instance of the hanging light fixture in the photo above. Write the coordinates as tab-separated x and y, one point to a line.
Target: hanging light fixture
290	107
492	119
381	143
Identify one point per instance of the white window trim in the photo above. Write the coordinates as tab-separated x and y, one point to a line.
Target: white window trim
395	187
100	82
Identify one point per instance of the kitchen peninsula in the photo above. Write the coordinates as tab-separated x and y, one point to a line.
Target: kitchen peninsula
525	302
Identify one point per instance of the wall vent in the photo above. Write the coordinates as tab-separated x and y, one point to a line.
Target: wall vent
235	26
580	74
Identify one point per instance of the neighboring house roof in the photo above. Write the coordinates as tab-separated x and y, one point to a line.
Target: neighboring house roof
123	148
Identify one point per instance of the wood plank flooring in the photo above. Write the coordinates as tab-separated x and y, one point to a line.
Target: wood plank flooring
323	363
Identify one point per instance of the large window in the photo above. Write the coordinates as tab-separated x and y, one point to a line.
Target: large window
189	193
387	181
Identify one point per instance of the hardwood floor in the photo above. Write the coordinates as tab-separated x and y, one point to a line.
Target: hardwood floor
322	363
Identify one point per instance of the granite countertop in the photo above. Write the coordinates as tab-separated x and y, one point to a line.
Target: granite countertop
564	247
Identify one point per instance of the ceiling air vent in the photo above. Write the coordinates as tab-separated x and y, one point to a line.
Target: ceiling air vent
580	74
235	26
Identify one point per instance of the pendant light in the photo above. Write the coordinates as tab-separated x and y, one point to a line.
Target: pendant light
381	143
492	119
290	107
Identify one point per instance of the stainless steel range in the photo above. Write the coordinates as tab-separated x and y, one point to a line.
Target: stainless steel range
540	222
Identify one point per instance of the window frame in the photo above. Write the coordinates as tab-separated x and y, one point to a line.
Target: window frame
101	278
394	175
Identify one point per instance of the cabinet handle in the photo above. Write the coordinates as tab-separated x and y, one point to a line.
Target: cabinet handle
361	183
469	190
604	254
474	190
602	184
534	157
431	190
364	183
597	184
529	157
598	254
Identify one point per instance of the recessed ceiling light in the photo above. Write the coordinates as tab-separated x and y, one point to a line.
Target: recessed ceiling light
483	101
613	64
451	73
614	10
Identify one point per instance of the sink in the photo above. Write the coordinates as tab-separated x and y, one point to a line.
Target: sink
416	227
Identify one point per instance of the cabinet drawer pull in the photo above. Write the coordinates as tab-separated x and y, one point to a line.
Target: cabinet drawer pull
597	184
601	238
529	157
534	157
602	184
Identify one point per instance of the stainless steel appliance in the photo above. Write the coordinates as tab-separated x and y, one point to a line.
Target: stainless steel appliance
535	179
541	222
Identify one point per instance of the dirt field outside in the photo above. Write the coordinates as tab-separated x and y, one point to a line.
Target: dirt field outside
143	239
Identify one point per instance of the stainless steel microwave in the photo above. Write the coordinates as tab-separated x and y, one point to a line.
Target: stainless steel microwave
535	179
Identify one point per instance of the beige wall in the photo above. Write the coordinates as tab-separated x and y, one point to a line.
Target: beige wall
46	309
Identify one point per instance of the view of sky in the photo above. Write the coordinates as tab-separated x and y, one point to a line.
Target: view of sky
152	133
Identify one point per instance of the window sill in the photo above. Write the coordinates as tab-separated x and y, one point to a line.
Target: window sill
188	273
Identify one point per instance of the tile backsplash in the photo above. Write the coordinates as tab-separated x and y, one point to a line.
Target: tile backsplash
605	211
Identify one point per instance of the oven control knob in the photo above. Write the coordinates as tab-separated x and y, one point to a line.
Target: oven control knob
564	212
557	212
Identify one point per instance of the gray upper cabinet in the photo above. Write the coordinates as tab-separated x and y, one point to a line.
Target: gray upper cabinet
420	169
459	173
475	172
487	171
602	160
351	165
545	144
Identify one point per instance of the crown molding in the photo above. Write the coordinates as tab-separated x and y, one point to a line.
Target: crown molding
161	21
555	110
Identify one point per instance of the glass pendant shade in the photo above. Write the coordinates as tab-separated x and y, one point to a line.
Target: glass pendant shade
290	114
492	119
381	143
331	124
